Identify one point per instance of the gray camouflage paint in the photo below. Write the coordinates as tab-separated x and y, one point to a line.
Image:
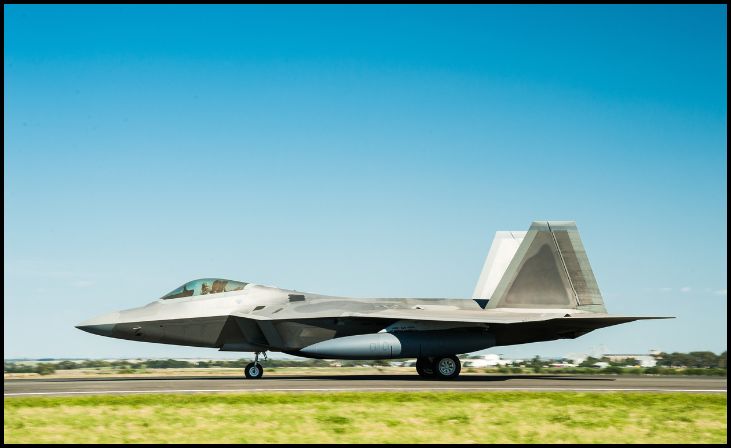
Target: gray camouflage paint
547	292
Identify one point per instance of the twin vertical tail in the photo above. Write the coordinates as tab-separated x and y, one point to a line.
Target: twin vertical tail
545	267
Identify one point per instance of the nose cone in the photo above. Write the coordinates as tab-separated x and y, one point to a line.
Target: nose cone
101	325
101	330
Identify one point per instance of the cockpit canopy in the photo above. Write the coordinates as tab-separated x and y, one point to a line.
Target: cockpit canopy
204	286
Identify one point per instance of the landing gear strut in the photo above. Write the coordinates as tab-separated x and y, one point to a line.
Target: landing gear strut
254	370
438	367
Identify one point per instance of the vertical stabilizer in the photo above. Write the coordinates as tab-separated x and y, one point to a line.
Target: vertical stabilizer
502	251
549	269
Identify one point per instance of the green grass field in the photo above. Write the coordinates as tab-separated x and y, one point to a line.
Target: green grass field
439	417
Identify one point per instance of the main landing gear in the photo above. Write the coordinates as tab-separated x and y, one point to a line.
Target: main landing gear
438	367
254	370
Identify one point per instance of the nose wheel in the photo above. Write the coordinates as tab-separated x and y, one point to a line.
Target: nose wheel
254	370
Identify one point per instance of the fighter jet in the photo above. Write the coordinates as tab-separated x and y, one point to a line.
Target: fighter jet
534	286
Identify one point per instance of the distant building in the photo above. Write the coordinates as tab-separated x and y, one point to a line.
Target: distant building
645	360
489	360
576	358
562	364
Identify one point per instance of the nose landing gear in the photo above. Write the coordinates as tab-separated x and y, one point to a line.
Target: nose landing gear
254	370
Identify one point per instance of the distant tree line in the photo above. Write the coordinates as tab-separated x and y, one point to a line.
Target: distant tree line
181	364
694	360
40	368
702	360
693	363
125	365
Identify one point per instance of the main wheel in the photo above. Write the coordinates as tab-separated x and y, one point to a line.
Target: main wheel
425	368
447	367
254	371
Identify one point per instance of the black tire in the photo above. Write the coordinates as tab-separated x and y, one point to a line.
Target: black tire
447	367
425	368
253	371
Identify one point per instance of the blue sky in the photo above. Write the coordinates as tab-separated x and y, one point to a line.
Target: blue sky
363	151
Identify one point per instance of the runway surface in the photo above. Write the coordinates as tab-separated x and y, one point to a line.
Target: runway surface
330	383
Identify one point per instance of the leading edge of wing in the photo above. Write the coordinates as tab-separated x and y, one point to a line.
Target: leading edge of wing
502	317
410	314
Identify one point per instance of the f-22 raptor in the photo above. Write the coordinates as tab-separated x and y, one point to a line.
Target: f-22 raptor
534	286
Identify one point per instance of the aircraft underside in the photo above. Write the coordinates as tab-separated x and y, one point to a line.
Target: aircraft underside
340	338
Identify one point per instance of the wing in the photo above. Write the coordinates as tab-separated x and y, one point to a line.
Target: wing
289	331
451	315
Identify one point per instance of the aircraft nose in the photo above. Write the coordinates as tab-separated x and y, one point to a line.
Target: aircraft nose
101	330
101	325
